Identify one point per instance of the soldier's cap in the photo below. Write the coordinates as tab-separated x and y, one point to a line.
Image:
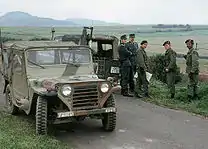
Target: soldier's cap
123	37
166	42
189	40
132	35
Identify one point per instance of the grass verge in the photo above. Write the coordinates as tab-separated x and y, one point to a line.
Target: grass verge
159	92
19	133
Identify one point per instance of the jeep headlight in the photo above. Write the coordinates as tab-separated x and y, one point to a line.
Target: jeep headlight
66	90
104	87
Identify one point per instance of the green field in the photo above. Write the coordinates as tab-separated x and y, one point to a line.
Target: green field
155	39
18	132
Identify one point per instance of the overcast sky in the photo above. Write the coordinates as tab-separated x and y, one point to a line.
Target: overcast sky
122	11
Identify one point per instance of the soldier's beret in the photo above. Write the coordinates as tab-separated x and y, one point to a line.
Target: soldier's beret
166	42
143	42
123	37
132	35
189	40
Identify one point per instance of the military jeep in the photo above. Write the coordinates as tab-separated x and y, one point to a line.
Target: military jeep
55	81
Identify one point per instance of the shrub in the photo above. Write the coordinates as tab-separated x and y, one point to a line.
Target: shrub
5	39
157	64
39	39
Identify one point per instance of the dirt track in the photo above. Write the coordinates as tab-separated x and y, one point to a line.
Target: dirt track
139	126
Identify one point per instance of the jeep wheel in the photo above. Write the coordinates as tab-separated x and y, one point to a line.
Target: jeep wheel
10	107
41	116
109	119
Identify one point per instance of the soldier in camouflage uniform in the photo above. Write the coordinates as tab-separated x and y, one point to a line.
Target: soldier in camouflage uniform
132	47
170	67
142	67
192	69
125	66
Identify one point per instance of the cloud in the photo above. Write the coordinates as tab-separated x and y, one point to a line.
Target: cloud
123	11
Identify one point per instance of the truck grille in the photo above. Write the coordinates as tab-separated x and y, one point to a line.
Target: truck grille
85	97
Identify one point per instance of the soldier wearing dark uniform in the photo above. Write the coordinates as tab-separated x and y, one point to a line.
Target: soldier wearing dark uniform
125	66
170	67
142	68
192	69
132	47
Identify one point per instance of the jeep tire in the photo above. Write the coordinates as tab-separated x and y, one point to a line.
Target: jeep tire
109	119
41	116
10	107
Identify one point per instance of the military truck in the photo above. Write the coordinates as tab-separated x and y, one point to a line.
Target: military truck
105	51
55	81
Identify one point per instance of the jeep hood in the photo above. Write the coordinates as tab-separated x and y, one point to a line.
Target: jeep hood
68	79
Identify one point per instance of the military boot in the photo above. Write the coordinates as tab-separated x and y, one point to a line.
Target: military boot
196	97
196	92
122	91
147	95
137	95
132	88
190	98
125	93
172	96
132	91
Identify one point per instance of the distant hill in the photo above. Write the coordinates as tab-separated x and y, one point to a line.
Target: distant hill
89	22
17	18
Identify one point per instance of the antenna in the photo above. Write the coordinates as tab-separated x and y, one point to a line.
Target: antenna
91	29
52	33
1	42
92	23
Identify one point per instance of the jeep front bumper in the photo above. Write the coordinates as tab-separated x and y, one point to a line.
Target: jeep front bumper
85	112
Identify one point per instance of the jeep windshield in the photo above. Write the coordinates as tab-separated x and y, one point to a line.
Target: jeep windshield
59	61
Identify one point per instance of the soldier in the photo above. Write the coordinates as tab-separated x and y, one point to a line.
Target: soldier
170	67
192	69
132	47
125	66
142	67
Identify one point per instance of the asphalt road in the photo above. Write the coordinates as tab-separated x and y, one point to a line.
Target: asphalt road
140	125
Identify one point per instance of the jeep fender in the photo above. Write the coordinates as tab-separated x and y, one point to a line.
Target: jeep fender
105	98
33	92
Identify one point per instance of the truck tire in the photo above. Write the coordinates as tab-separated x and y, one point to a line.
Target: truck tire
41	116
109	119
10	107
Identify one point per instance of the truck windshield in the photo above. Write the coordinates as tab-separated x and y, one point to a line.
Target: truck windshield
59	56
53	62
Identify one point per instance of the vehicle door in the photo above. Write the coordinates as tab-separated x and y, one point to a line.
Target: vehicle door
19	81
